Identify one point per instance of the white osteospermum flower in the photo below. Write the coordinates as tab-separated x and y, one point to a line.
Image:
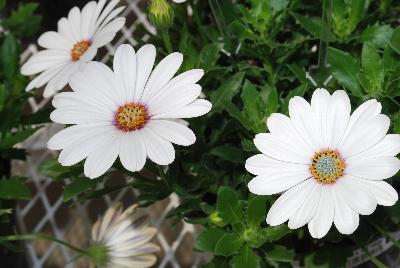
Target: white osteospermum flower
130	112
73	45
329	164
124	238
178	1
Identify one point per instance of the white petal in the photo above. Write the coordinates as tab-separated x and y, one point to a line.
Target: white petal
101	158
346	220
132	152
74	20
106	34
281	126
306	211
43	60
338	116
357	196
279	149
364	134
378	168
65	30
161	75
384	193
60	80
74	100
80	115
145	58
102	13
111	16
173	132
44	77
320	105
102	78
70	135
89	54
173	101
158	150
54	40
87	88
304	120
388	146
323	217
197	108
88	13
79	149
125	69
288	203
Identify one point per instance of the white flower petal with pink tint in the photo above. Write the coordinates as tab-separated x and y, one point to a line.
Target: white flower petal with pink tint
329	164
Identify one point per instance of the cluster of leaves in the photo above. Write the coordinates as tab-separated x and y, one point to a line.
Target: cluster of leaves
16	124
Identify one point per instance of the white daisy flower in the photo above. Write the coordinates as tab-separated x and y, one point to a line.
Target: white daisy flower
130	112
73	45
330	165
178	1
122	239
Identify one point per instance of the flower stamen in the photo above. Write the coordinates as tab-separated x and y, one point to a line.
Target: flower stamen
327	166
131	116
78	49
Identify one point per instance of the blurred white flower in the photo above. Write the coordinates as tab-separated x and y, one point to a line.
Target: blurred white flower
330	165
73	45
178	1
129	112
121	239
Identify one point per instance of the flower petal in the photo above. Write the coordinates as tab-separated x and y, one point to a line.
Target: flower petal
125	69
388	146
306	211
54	40
377	168
357	196
384	193
173	132
132	152
346	220
145	58
288	203
322	220
279	149
196	108
158	150
101	158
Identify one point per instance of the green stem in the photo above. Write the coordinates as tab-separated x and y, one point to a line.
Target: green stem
325	32
167	40
385	233
41	237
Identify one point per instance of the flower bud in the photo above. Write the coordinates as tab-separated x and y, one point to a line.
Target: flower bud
161	14
216	219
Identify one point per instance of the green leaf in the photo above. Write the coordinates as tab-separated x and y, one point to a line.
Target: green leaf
2	96
209	56
245	259
77	186
280	254
218	241
273	233
17	137
229	153
17	22
358	8
372	69
395	40
229	205
9	56
345	69
256	210
378	35
226	91
312	25
14	188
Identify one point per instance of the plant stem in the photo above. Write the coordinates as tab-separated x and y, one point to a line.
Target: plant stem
41	237
167	40
325	33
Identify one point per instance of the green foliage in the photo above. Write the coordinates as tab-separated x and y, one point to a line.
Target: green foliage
18	21
14	188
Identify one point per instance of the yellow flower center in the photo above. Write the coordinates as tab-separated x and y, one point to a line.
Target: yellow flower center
78	49
131	116
327	166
